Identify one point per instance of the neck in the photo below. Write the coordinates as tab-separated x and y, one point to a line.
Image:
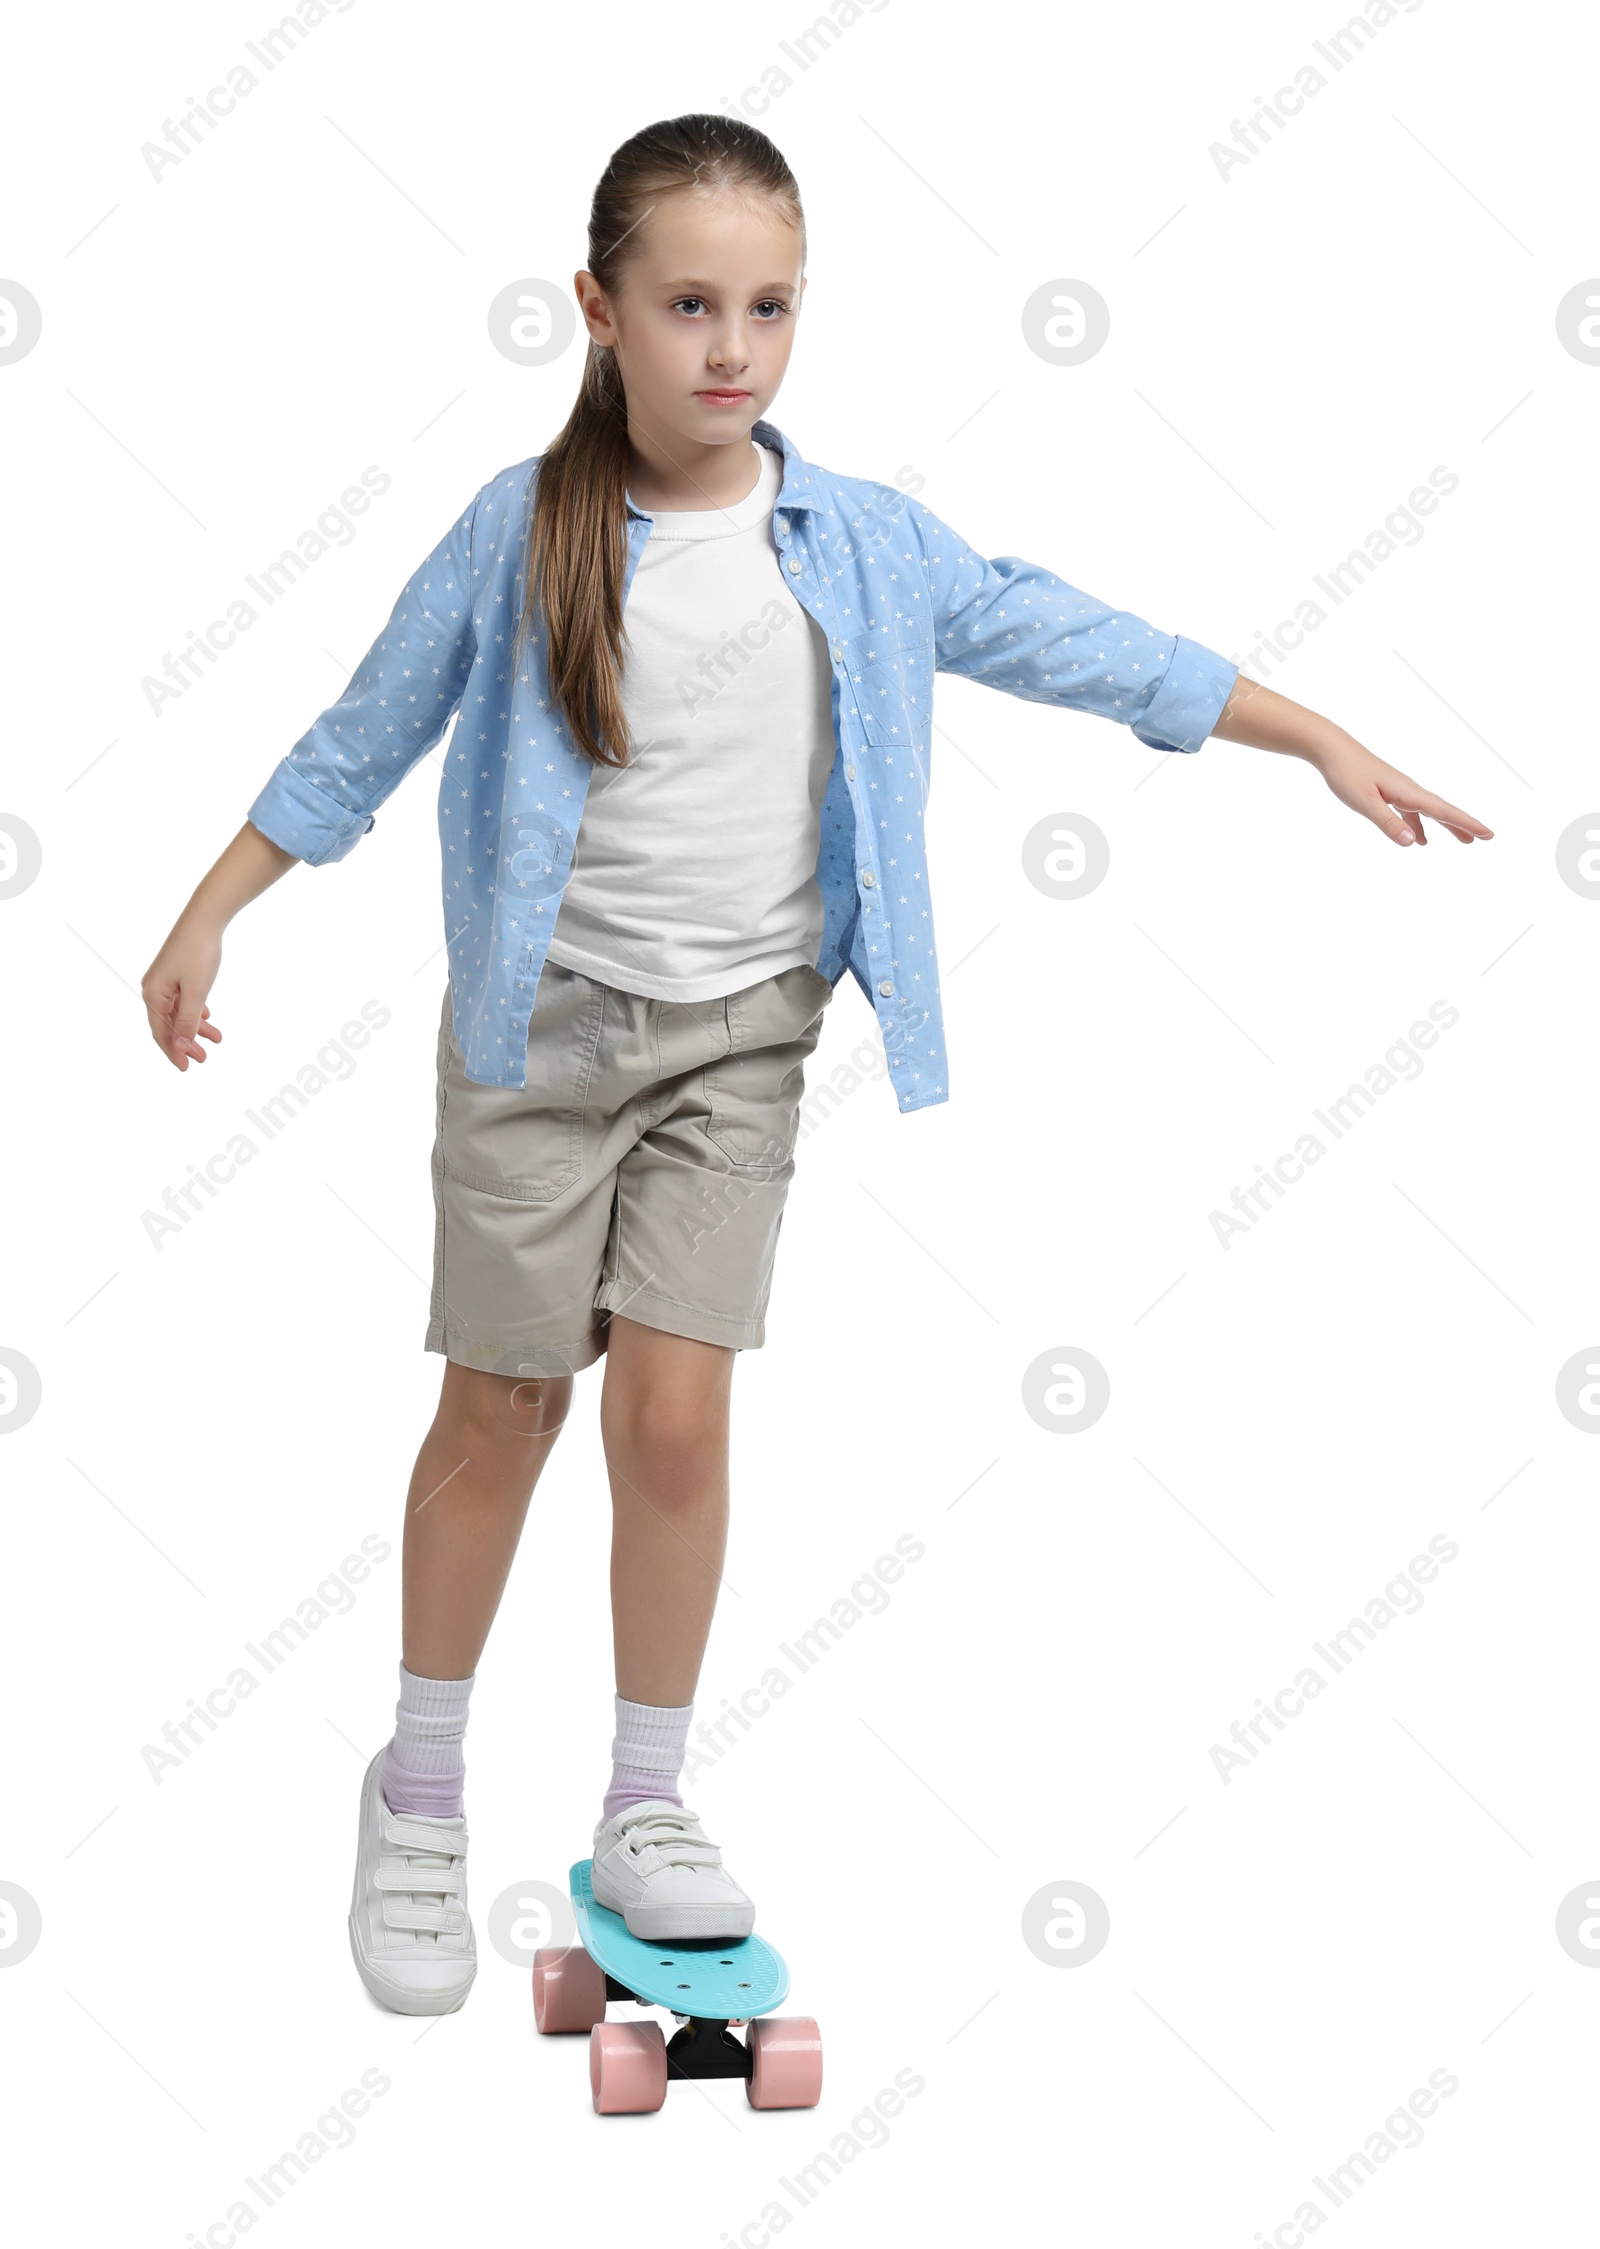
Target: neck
666	471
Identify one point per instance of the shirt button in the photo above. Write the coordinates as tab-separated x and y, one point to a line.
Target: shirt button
886	988
868	878
794	566
838	653
849	772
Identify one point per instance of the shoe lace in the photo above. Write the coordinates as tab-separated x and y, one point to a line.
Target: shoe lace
422	1873
675	1836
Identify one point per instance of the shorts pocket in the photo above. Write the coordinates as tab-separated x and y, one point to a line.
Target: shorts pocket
754	1091
525	1143
820	984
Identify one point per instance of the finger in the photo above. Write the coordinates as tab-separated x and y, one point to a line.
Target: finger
1476	833
1389	818
186	1039
176	1054
166	1030
1411	818
1461	834
186	1016
1463	824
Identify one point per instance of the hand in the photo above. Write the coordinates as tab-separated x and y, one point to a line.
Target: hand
1259	716
1391	800
174	991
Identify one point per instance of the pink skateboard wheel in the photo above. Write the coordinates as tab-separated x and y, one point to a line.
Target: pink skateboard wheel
785	2062
569	1989
627	2067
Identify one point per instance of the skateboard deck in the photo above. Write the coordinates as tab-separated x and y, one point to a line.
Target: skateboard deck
692	1976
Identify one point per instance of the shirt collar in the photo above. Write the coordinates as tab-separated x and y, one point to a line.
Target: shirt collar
798	489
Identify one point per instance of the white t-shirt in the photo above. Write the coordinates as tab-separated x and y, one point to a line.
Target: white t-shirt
694	871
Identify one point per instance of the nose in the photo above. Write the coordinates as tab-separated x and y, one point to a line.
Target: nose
730	355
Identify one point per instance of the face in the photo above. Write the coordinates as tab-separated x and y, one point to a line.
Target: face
703	319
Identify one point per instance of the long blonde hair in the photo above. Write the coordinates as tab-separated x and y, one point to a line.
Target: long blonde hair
577	540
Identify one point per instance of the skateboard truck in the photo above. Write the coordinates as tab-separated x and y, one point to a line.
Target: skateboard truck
705	2047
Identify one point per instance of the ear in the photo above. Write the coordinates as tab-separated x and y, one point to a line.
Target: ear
592	306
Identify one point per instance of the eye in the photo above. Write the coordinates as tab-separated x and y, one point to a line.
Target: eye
768	309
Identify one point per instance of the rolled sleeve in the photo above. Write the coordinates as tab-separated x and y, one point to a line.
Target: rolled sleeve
1190	699
298	816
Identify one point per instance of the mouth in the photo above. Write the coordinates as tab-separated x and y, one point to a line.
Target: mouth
724	397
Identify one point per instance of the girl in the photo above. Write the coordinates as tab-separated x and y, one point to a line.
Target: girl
664	841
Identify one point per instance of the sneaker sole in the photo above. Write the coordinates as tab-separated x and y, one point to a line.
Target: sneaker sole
665	1924
397	1997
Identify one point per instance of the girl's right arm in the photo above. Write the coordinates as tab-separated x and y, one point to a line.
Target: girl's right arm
323	797
183	972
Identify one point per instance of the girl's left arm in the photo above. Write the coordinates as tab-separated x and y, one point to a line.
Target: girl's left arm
1013	625
1262	719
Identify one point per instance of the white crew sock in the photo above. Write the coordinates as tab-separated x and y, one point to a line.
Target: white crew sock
647	1754
424	1765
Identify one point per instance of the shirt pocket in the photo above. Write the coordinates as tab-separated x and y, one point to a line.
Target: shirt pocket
891	677
525	1143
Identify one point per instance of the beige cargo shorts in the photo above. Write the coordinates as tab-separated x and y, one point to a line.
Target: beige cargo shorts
643	1169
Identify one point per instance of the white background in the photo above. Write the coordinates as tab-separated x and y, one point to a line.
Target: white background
1291	1418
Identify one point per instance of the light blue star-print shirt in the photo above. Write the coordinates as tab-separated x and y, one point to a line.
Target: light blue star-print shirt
899	595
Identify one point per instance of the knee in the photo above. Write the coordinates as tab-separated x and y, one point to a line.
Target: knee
671	1441
492	1408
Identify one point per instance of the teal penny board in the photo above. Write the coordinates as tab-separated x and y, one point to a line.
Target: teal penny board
690	1975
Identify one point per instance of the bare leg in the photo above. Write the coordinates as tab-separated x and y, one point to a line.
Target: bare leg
664	1422
491	1436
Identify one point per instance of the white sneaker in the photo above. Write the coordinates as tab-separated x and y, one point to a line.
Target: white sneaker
655	1865
409	1929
